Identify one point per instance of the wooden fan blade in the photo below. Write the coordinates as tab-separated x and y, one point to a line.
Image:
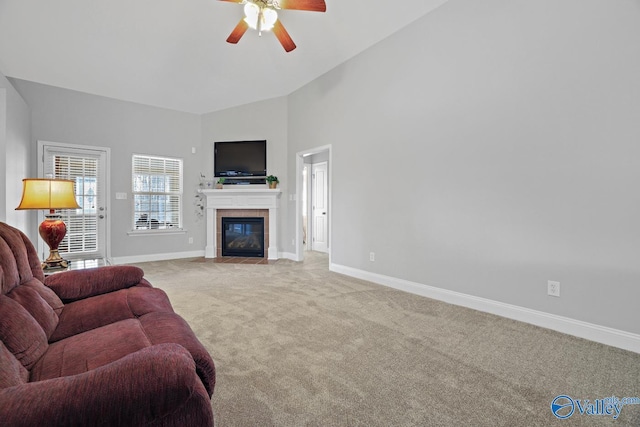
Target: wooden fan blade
311	5
285	39
238	32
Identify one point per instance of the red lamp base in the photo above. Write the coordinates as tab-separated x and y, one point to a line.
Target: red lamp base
52	230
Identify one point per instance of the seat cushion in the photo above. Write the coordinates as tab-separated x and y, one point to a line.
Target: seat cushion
100	346
91	313
89	350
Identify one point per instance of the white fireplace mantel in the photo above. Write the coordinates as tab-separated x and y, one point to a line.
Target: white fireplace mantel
242	198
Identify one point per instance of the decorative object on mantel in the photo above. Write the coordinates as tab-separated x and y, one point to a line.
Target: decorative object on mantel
205	184
220	183
261	15
273	181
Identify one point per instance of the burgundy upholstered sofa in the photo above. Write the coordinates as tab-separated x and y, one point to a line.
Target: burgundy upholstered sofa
94	347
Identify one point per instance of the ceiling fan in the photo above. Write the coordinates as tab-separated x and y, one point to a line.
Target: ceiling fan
261	15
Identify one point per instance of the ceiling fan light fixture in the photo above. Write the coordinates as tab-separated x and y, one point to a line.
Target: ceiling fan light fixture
259	18
262	15
269	18
251	12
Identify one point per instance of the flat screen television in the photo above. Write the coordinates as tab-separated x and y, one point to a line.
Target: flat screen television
240	159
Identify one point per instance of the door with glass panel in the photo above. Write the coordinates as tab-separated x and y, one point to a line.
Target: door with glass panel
86	226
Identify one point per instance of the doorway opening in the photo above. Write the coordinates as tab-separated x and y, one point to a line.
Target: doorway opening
313	201
88	236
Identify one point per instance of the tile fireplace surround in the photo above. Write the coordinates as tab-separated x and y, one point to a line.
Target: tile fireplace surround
241	200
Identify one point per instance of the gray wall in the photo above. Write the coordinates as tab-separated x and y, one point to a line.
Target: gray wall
66	116
260	120
487	148
3	152
15	157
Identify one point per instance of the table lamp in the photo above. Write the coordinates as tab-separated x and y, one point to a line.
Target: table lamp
52	194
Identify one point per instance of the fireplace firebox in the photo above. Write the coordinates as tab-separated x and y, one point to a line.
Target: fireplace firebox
243	237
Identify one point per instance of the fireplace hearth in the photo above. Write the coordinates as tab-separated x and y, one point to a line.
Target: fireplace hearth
243	237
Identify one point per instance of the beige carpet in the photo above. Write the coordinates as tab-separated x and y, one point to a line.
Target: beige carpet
297	345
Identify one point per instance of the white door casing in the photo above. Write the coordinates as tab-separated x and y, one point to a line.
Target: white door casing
87	227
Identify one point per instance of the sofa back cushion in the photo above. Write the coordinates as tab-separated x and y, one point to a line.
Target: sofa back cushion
21	333
18	259
11	370
21	279
29	298
46	293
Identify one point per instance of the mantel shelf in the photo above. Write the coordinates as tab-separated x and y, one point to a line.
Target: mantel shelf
244	191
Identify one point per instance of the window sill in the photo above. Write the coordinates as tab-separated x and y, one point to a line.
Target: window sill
147	233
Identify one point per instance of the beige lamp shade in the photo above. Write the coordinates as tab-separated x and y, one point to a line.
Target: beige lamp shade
47	193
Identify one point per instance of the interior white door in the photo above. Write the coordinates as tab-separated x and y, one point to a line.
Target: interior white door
87	226
319	194
306	207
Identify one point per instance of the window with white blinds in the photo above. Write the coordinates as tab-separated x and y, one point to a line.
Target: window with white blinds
82	228
157	192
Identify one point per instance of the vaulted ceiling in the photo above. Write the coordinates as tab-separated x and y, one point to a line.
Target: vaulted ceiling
173	53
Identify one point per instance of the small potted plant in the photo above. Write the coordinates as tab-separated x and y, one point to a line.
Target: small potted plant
220	183
273	181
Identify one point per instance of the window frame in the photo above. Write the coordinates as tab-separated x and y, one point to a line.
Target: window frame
163	173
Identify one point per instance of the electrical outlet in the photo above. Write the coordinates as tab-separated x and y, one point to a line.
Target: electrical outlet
553	288
191	240
372	256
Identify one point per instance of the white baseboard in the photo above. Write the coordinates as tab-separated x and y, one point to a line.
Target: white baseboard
289	255
176	255
601	334
156	257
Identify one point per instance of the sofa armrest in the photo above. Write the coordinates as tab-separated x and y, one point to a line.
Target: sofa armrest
79	284
143	387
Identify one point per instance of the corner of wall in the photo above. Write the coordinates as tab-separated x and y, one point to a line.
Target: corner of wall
15	144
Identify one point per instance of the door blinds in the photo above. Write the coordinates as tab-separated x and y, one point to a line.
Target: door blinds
82	224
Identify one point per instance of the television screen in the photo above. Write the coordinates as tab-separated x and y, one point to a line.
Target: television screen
240	158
